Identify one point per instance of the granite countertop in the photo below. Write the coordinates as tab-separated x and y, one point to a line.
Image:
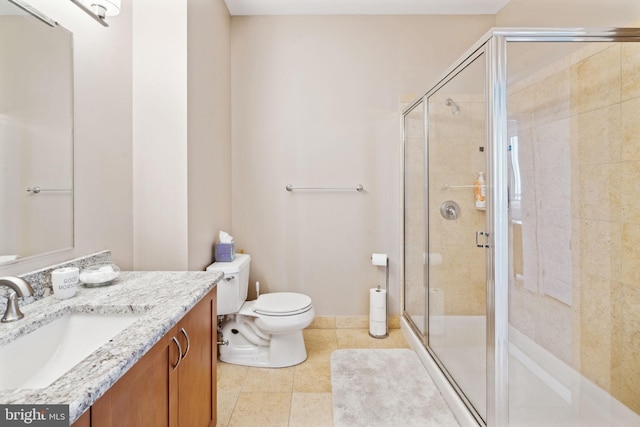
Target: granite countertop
162	298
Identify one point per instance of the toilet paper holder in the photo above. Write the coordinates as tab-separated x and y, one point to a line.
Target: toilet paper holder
381	260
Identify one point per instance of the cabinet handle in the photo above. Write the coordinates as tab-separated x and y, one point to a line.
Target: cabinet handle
179	353
188	342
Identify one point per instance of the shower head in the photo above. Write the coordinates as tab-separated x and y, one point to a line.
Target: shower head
455	110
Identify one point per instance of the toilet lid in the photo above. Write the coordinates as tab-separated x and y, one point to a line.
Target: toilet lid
282	304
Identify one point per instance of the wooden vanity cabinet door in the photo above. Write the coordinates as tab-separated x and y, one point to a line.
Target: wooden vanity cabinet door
84	420
197	371
152	393
142	397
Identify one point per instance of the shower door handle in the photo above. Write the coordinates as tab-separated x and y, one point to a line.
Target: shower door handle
479	234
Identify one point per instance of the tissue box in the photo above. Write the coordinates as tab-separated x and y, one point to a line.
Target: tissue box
225	252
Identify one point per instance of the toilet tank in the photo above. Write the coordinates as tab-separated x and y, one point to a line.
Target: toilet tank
233	287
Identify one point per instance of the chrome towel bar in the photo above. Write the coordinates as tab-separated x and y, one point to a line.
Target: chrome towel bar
37	189
358	188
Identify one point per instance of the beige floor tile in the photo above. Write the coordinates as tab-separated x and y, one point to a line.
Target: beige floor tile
360	338
319	335
311	410
396	339
394	322
312	378
262	409
231	377
352	322
355	338
320	351
226	404
297	396
323	323
269	380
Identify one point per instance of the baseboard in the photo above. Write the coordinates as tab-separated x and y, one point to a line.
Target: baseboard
349	322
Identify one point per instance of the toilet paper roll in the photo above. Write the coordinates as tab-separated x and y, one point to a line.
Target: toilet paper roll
379	259
65	282
378	329
377	312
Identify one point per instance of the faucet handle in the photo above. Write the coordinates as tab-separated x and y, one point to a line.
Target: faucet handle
13	312
16	286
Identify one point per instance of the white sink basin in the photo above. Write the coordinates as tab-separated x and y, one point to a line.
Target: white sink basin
39	358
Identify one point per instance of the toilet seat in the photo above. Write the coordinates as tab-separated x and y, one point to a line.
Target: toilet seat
282	304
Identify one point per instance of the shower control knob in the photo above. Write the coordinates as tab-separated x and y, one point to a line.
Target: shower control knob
449	210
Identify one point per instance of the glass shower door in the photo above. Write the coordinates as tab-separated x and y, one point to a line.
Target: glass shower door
574	299
415	218
457	283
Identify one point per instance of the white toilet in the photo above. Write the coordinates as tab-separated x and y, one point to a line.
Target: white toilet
266	332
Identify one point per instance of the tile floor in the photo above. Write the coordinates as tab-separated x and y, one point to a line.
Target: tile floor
299	395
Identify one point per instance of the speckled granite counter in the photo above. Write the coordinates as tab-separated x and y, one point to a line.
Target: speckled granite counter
163	297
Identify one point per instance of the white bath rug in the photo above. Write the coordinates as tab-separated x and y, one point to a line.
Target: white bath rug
385	387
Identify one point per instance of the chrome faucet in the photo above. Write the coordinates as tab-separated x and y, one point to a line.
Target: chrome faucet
17	287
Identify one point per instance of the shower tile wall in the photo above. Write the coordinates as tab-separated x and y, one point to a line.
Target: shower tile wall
454	146
578	127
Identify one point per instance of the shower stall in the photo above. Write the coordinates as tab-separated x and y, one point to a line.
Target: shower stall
521	292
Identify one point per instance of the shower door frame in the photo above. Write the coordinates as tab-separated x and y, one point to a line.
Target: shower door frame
494	47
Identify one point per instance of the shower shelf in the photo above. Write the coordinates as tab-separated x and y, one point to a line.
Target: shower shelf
447	186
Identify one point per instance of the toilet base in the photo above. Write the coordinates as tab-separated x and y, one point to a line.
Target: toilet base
279	351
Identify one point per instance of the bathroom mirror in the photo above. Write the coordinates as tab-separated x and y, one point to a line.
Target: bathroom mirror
36	128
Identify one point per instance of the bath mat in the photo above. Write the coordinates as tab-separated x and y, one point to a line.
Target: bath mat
385	387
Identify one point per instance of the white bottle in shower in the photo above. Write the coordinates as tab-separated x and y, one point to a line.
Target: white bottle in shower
481	189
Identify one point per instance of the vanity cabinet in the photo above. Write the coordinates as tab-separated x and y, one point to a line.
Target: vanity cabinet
166	387
83	421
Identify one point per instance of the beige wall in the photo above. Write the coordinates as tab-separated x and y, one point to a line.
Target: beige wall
181	132
209	127
160	221
316	102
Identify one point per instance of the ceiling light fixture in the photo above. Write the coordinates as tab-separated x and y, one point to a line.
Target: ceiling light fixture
99	9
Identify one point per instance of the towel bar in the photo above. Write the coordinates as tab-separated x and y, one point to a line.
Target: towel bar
358	188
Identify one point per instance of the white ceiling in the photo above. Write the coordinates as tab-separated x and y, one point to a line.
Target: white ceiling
364	7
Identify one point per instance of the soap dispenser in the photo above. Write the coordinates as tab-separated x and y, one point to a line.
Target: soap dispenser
480	189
